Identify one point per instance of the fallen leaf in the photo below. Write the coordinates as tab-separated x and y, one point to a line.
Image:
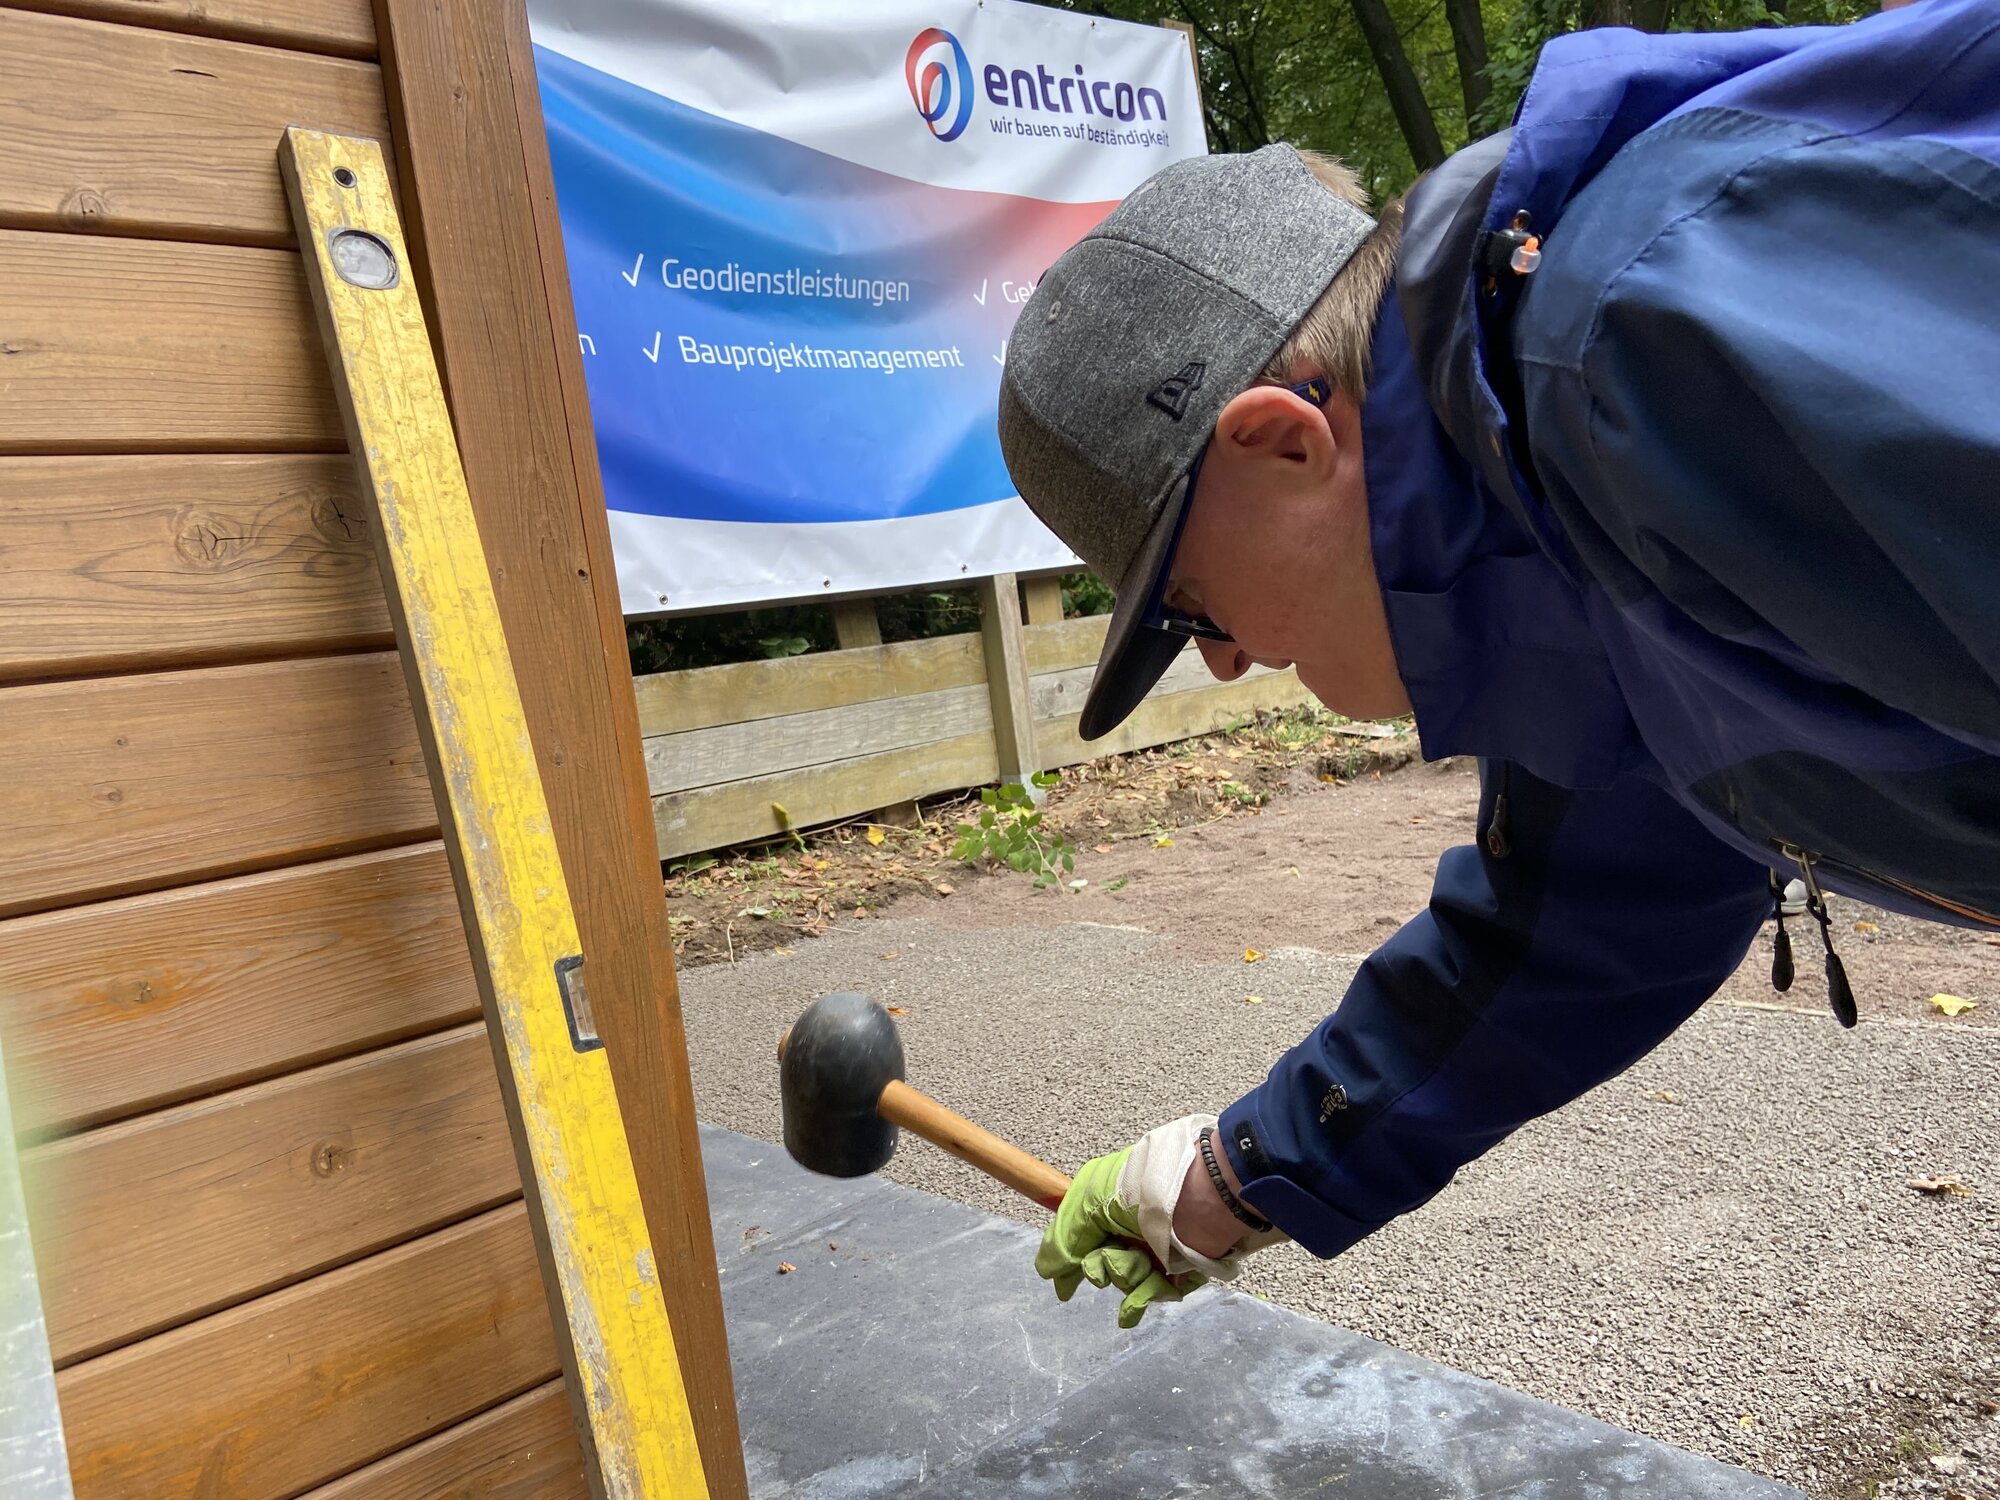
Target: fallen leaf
876	835
897	1010
1953	1005
755	911
1163	842
860	911
1665	1096
889	955
822	864
1329	778
1866	929
1077	885
1119	884
783	952
942	890
1746	1420
1251	955
1102	848
1293	871
785	1268
778	811
1946	1186
1253	999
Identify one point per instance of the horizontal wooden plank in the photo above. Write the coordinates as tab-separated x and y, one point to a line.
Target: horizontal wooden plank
731	752
300	1387
670	702
743	810
124	130
140	345
1177	716
1055	694
1073	643
112	564
155	1222
119	784
113	1009
344	28
524	1449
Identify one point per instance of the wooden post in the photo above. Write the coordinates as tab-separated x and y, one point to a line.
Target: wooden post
855	623
1007	676
1044	600
479	209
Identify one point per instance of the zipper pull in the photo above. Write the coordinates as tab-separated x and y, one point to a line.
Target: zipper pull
1781	946
1497	843
1839	993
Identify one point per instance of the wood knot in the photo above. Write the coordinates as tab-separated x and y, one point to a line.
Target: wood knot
134	992
330	1159
85	208
110	795
339	519
209	542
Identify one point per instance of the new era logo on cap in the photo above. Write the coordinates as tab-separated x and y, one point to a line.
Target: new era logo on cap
1171	395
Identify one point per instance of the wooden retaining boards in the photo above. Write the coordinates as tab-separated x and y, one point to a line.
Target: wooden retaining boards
300	1387
118	1008
178	1214
119	564
671	702
837	733
711	816
176	140
343	28
121	784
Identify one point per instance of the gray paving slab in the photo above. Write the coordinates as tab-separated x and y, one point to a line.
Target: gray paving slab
910	1352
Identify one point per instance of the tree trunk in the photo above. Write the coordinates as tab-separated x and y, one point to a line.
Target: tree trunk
1468	40
1646	15
1406	95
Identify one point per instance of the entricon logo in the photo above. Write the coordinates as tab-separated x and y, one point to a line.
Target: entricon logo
940	78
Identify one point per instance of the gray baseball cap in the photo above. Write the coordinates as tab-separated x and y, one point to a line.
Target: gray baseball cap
1124	356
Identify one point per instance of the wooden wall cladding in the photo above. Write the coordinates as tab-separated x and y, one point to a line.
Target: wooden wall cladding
344	28
298	1388
121	564
118	345
190	1210
275	1203
119	784
118	1008
118	130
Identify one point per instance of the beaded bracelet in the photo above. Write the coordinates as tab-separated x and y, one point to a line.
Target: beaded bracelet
1229	1199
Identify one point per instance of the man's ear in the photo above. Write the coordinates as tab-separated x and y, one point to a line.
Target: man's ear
1269	423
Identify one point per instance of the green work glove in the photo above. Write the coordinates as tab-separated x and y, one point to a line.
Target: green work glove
1115	1225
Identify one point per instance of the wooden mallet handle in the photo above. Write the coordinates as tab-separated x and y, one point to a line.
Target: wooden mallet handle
922	1115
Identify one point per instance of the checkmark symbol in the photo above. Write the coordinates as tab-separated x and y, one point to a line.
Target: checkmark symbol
632	276
980	295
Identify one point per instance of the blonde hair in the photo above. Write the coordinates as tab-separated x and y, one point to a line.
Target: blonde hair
1336	336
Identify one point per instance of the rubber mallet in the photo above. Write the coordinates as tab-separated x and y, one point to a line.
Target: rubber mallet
840	1074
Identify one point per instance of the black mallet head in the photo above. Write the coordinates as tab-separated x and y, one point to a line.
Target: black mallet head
832	1067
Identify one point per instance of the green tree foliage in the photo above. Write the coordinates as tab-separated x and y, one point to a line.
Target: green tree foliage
1303	70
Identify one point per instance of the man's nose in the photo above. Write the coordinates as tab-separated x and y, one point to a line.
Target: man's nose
1226	660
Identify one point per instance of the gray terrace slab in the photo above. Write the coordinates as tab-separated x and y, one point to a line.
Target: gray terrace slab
912	1352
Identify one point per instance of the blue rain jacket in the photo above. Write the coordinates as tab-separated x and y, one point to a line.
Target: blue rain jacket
1692	537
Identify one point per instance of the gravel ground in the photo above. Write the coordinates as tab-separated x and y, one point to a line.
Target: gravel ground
1719	1249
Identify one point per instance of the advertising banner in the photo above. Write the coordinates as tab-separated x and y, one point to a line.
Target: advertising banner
798	235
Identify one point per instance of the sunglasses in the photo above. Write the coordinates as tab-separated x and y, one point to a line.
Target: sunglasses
1160	615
